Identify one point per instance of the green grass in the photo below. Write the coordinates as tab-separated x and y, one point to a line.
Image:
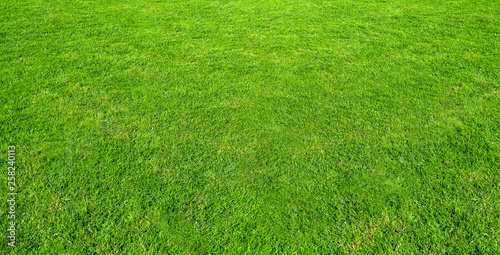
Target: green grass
260	127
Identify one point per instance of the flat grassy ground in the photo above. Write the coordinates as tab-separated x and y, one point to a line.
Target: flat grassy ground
279	126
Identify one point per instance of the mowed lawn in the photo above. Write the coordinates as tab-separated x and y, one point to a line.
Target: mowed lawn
251	127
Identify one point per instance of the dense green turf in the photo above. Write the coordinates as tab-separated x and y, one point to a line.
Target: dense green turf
279	126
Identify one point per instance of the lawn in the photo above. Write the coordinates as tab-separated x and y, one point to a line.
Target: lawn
251	127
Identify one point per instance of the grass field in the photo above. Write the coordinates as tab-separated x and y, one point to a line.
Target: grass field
259	127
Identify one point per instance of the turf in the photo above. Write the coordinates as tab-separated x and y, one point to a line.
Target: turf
260	127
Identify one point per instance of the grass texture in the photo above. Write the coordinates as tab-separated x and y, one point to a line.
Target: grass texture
252	127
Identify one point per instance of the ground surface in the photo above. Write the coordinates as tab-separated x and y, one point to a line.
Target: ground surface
280	126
